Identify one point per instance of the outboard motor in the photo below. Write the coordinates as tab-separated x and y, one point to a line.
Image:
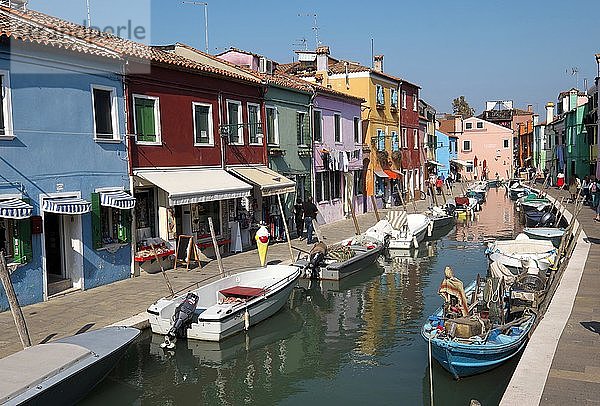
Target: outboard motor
450	208
182	318
316	257
547	220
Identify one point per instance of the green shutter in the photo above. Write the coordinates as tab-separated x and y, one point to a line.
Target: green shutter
306	135
23	250
96	221
298	128
145	124
124	230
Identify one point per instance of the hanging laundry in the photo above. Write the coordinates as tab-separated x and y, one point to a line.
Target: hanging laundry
345	161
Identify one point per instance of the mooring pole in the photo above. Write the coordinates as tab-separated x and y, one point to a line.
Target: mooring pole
13	302
287	232
215	245
375	208
353	209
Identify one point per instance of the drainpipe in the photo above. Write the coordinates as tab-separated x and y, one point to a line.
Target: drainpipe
311	119
221	138
263	93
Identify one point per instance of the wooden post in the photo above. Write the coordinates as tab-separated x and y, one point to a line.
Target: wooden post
413	201
444	193
434	199
14	303
162	270
287	232
215	245
401	198
353	209
375	208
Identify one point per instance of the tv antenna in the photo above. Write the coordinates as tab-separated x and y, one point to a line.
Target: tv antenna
574	71
301	43
315	26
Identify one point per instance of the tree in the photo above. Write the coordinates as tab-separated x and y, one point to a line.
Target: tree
461	106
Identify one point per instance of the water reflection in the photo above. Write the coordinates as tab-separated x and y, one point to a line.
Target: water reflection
350	342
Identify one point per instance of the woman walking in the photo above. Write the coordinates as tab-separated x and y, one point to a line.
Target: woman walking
299	217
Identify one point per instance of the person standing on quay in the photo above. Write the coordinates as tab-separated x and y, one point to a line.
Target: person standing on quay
299	217
310	213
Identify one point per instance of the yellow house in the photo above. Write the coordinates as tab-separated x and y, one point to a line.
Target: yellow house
380	112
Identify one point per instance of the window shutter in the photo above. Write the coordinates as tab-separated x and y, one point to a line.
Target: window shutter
124	233
298	128
96	221
306	136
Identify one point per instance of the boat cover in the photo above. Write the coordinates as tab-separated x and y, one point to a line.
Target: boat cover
397	219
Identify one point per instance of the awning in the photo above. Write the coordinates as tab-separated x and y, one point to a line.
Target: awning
460	162
381	173
67	205
436	163
118	200
270	182
15	209
392	174
196	185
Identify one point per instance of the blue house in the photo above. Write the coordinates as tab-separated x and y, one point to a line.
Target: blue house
445	151
65	210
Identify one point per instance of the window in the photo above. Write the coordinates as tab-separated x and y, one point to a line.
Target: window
200	212
416	139
395	146
380	140
109	225
318	126
394	98
469	166
234	119
404	99
336	185
479	124
466	145
380	95
358	183
415	101
379	186
6	129
272	126
404	138
15	238
322	186
254	124
505	144
468	126
203	124
357	137
146	119
302	128
106	125
337	119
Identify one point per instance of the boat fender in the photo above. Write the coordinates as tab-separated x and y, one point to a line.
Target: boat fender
430	228
246	320
415	242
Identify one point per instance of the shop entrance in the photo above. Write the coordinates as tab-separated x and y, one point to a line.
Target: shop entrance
63	252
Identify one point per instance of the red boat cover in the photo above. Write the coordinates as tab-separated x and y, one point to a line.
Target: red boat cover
461	201
242	291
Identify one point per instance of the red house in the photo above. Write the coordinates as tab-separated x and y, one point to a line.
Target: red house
410	139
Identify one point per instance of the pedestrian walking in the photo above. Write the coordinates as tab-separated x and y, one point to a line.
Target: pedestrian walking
595	191
585	189
310	213
438	185
299	217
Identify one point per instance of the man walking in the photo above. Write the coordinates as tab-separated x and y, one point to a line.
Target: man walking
310	213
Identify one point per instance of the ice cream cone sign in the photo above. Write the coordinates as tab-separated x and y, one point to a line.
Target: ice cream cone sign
262	242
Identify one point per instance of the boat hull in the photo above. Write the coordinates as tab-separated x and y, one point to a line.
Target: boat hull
551	234
407	243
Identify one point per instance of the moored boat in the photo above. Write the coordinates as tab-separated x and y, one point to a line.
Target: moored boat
551	234
408	229
523	253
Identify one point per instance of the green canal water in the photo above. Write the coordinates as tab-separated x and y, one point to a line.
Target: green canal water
353	342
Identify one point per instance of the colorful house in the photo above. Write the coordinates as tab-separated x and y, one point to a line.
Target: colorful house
443	153
486	148
65	205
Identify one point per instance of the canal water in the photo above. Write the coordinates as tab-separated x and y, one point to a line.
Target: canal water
353	342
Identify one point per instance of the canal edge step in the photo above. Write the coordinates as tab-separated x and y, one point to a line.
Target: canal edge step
529	378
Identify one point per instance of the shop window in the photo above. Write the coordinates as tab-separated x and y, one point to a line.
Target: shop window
200	212
15	240
234	121
379	186
203	125
358	183
146	119
105	113
254	124
337	122
109	225
144	214
272	130
318	126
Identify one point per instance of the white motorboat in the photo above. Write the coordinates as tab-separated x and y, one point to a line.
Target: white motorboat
224	307
440	217
62	372
517	189
523	253
408	229
552	234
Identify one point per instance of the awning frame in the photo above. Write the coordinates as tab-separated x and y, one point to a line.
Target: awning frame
288	185
68	204
118	199
15	209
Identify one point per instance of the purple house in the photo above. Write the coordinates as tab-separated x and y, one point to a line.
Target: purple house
337	150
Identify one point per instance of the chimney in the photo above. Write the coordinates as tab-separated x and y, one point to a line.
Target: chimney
378	63
549	112
322	57
536	119
530	108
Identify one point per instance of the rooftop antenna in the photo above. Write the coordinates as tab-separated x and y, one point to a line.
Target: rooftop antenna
89	16
301	43
205	4
574	72
315	27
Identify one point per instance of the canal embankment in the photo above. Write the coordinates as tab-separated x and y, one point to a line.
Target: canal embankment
561	363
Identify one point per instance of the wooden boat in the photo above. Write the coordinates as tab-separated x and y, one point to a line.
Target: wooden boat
62	372
224	307
471	343
340	260
523	252
551	234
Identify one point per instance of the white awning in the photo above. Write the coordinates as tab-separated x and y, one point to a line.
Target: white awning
460	162
196	185
67	205
15	209
118	200
270	182
381	174
436	163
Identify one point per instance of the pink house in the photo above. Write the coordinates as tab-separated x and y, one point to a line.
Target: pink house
486	148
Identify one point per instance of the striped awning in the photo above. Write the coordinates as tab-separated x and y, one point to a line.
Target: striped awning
67	205
117	199
380	173
15	209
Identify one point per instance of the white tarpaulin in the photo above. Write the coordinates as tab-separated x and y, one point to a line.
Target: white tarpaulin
270	182
196	185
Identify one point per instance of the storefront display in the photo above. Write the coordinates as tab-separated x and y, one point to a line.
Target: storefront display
148	250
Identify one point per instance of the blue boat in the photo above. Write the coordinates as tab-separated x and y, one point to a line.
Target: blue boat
480	353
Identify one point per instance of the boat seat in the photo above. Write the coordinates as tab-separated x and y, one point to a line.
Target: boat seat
199	311
28	368
243	292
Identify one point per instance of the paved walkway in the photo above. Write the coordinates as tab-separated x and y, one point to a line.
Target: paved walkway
91	309
574	376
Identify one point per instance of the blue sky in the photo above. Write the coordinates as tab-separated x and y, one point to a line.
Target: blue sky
484	49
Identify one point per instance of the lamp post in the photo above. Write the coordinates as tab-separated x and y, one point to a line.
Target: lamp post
202	3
